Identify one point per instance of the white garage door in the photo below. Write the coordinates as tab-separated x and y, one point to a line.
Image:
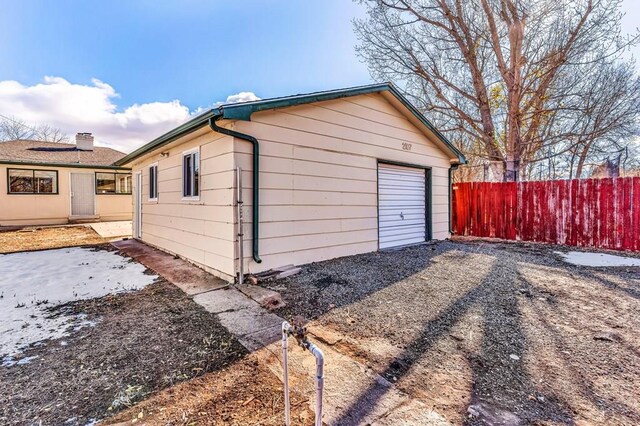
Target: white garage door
401	205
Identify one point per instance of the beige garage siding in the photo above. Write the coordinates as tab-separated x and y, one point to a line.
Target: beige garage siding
318	177
201	231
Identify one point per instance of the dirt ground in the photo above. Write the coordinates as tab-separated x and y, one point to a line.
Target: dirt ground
485	333
246	393
154	357
143	342
34	238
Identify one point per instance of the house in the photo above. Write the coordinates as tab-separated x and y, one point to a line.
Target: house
339	172
44	183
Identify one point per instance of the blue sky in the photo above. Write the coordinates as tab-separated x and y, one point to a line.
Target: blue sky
129	71
195	51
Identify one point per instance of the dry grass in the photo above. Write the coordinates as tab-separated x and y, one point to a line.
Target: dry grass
245	393
28	239
143	342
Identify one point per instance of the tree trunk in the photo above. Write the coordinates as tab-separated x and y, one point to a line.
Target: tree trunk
582	159
511	167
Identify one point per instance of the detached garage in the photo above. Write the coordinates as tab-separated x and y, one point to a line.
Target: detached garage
338	173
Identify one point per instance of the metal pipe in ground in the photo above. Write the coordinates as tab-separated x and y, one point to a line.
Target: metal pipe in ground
300	335
285	366
239	204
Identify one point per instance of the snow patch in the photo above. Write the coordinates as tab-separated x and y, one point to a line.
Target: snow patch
9	361
30	282
597	259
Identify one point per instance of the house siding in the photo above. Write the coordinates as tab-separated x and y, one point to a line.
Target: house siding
201	231
54	209
318	177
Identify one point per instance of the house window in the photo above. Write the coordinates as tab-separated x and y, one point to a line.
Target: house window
153	182
113	183
26	181
190	174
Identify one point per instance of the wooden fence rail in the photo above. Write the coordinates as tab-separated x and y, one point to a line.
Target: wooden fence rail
601	213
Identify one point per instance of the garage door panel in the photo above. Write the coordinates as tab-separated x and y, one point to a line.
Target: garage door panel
399	197
400	193
401	205
411	231
389	243
406	206
397	184
406	222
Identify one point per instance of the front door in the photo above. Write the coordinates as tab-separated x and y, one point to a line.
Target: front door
82	194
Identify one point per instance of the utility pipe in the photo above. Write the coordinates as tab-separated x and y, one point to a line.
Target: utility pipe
256	177
300	335
239	204
319	379
286	327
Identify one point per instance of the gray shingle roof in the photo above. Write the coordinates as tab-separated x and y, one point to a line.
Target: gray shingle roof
60	153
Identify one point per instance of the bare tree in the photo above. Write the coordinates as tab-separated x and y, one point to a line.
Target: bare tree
45	132
12	128
513	82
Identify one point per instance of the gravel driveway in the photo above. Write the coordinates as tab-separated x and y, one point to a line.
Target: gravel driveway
485	332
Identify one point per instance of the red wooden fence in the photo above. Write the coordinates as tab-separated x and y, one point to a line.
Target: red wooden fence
602	213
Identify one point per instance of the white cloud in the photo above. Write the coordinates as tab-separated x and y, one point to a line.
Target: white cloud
90	108
242	97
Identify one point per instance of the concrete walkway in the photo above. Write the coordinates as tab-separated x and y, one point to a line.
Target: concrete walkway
354	394
113	230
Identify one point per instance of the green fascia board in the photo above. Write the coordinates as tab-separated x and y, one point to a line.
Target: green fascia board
244	110
70	165
188	127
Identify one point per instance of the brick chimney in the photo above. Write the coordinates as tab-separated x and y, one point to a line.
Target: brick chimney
84	142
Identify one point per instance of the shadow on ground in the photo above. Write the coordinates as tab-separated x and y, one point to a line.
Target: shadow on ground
488	333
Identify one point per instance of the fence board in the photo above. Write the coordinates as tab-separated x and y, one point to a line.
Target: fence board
600	213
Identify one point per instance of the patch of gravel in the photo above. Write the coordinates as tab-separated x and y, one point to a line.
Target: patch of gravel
143	341
322	286
485	332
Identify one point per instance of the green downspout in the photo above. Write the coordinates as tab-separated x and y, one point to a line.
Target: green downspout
451	169
256	178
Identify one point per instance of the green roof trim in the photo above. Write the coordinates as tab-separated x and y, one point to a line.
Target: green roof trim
244	110
69	165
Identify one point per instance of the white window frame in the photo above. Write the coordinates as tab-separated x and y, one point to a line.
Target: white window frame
184	154
154	199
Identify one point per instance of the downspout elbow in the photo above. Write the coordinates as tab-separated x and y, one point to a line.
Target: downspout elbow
256	179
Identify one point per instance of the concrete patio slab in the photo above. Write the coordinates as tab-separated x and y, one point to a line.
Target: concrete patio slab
247	321
266	298
223	300
113	230
262	338
189	278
